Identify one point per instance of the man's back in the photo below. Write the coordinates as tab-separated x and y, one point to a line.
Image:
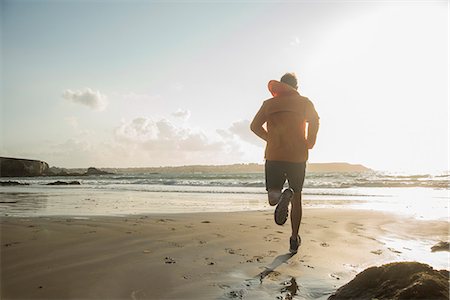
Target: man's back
286	125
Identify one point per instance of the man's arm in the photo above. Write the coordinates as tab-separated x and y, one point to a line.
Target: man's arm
313	125
313	128
257	124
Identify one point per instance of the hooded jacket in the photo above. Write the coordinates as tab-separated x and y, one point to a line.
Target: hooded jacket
291	123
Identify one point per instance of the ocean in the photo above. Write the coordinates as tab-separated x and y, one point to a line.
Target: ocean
424	196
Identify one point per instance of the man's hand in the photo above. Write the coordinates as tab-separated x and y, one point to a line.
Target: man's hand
310	144
257	124
313	128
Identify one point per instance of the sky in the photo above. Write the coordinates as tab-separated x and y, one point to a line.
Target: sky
158	83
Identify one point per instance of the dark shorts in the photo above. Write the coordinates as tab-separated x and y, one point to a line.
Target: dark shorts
278	171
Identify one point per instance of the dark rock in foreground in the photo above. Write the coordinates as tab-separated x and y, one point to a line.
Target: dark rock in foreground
64	183
441	246
403	280
16	167
11	183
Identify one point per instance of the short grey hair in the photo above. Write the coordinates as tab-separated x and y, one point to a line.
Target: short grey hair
290	79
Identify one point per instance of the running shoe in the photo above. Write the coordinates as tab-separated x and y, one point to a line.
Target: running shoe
294	244
282	209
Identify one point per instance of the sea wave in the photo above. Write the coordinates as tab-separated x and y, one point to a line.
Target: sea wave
255	180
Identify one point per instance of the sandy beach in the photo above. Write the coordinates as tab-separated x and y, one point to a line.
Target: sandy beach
205	255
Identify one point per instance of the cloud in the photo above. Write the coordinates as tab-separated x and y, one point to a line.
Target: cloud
165	143
241	129
144	142
182	114
93	99
162	135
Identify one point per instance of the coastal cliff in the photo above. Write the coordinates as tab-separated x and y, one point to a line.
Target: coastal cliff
16	167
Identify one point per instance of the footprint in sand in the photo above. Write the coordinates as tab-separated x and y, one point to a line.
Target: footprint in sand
164	220
271	238
209	261
222	286
273	275
10	244
233	251
138	294
335	276
175	244
230	251
377	252
256	258
236	294
169	260
393	250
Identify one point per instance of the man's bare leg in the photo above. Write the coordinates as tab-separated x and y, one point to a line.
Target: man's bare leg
274	196
296	213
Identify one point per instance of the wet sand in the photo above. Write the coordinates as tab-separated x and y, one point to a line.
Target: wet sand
205	255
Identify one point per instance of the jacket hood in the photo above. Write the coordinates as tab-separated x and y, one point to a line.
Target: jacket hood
278	88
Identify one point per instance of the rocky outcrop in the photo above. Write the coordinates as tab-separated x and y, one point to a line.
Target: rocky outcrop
441	246
16	167
95	171
55	171
403	280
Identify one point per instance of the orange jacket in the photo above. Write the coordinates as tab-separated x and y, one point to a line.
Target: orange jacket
287	115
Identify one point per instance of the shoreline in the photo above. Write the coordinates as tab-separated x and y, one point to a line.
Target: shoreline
81	201
205	255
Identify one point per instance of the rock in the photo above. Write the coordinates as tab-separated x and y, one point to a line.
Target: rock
95	171
11	183
16	167
441	246
64	183
55	171
402	280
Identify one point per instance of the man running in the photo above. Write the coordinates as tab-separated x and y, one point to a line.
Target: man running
291	129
